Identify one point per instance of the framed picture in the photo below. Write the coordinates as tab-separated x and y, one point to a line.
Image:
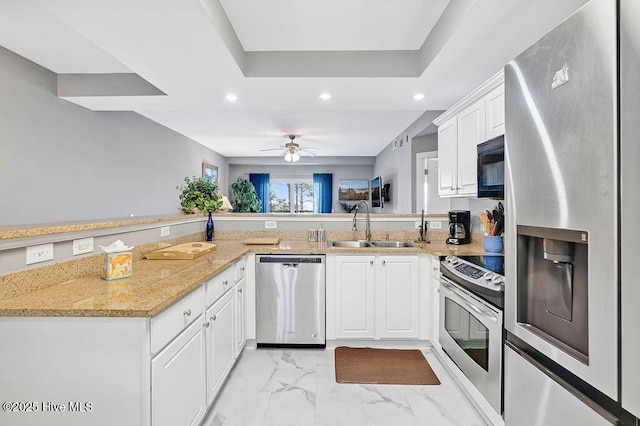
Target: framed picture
353	190
210	172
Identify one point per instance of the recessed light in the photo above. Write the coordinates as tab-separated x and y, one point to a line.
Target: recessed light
418	97
325	96
231	97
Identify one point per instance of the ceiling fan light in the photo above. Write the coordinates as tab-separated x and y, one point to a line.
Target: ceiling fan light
288	157
295	157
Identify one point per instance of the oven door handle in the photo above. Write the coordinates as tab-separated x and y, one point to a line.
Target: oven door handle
484	312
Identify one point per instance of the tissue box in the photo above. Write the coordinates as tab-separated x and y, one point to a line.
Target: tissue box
117	265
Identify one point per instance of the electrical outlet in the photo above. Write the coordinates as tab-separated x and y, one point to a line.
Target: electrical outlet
165	231
270	224
39	253
435	225
82	246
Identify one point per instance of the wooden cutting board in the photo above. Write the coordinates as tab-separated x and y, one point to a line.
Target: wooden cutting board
271	241
186	251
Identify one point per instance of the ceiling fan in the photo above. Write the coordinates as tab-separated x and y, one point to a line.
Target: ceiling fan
292	150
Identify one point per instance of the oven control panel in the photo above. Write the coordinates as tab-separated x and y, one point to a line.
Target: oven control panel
474	273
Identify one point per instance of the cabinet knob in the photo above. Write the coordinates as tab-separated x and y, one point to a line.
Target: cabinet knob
435	268
239	290
453	188
213	318
384	262
187	313
459	189
242	269
225	282
206	324
371	262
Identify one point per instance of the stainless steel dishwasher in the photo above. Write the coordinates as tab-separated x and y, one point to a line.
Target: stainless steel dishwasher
290	300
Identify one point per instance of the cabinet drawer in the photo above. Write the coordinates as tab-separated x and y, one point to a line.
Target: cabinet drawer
219	285
240	269
170	322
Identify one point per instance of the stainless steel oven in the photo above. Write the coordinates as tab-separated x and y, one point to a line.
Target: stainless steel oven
471	325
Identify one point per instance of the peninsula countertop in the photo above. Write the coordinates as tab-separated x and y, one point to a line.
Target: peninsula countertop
156	284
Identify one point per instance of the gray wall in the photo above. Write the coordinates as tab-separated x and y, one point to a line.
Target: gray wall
62	162
285	171
397	166
425	143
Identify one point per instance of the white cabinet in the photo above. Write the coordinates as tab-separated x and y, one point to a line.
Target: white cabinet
220	349
458	139
163	370
398	297
494	113
475	119
448	157
434	303
240	301
355	297
377	297
178	394
471	132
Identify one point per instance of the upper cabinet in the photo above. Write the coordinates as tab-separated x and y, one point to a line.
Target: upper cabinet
475	119
494	113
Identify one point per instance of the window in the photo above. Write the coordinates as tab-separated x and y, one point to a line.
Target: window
291	197
279	198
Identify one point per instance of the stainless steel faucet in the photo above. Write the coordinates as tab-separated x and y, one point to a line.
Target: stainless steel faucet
368	226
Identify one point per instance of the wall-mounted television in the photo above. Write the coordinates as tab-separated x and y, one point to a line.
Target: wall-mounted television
376	192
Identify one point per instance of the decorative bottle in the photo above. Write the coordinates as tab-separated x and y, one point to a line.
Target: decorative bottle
209	233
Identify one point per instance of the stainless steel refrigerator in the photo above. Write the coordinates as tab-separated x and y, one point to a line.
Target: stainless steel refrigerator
571	154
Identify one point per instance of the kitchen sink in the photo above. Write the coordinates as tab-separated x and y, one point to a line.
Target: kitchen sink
380	244
350	244
392	244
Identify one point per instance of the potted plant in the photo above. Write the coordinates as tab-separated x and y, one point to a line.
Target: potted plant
203	195
245	198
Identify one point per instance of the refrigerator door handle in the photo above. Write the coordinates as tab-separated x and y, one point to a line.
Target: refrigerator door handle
609	417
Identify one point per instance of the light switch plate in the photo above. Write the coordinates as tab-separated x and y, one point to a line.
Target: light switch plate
39	253
82	246
165	231
270	224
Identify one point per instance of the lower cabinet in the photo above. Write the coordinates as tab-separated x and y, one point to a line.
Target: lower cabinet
178	395
187	374
220	343
377	297
434	302
355	299
240	301
398	288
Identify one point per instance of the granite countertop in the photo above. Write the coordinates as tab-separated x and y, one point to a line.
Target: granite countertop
156	284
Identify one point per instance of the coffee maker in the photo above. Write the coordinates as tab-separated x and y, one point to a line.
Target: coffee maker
459	227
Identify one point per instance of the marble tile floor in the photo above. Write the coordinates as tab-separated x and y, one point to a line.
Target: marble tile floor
280	387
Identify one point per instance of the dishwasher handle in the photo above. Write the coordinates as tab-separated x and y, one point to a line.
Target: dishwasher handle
290	260
289	265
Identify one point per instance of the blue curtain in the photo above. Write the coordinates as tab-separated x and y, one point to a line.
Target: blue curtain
261	182
322	192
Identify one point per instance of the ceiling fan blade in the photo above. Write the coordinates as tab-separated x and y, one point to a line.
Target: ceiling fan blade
311	149
307	153
271	149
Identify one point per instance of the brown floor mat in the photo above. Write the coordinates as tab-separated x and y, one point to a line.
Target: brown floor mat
383	366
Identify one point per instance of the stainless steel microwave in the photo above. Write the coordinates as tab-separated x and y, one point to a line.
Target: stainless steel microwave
491	168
